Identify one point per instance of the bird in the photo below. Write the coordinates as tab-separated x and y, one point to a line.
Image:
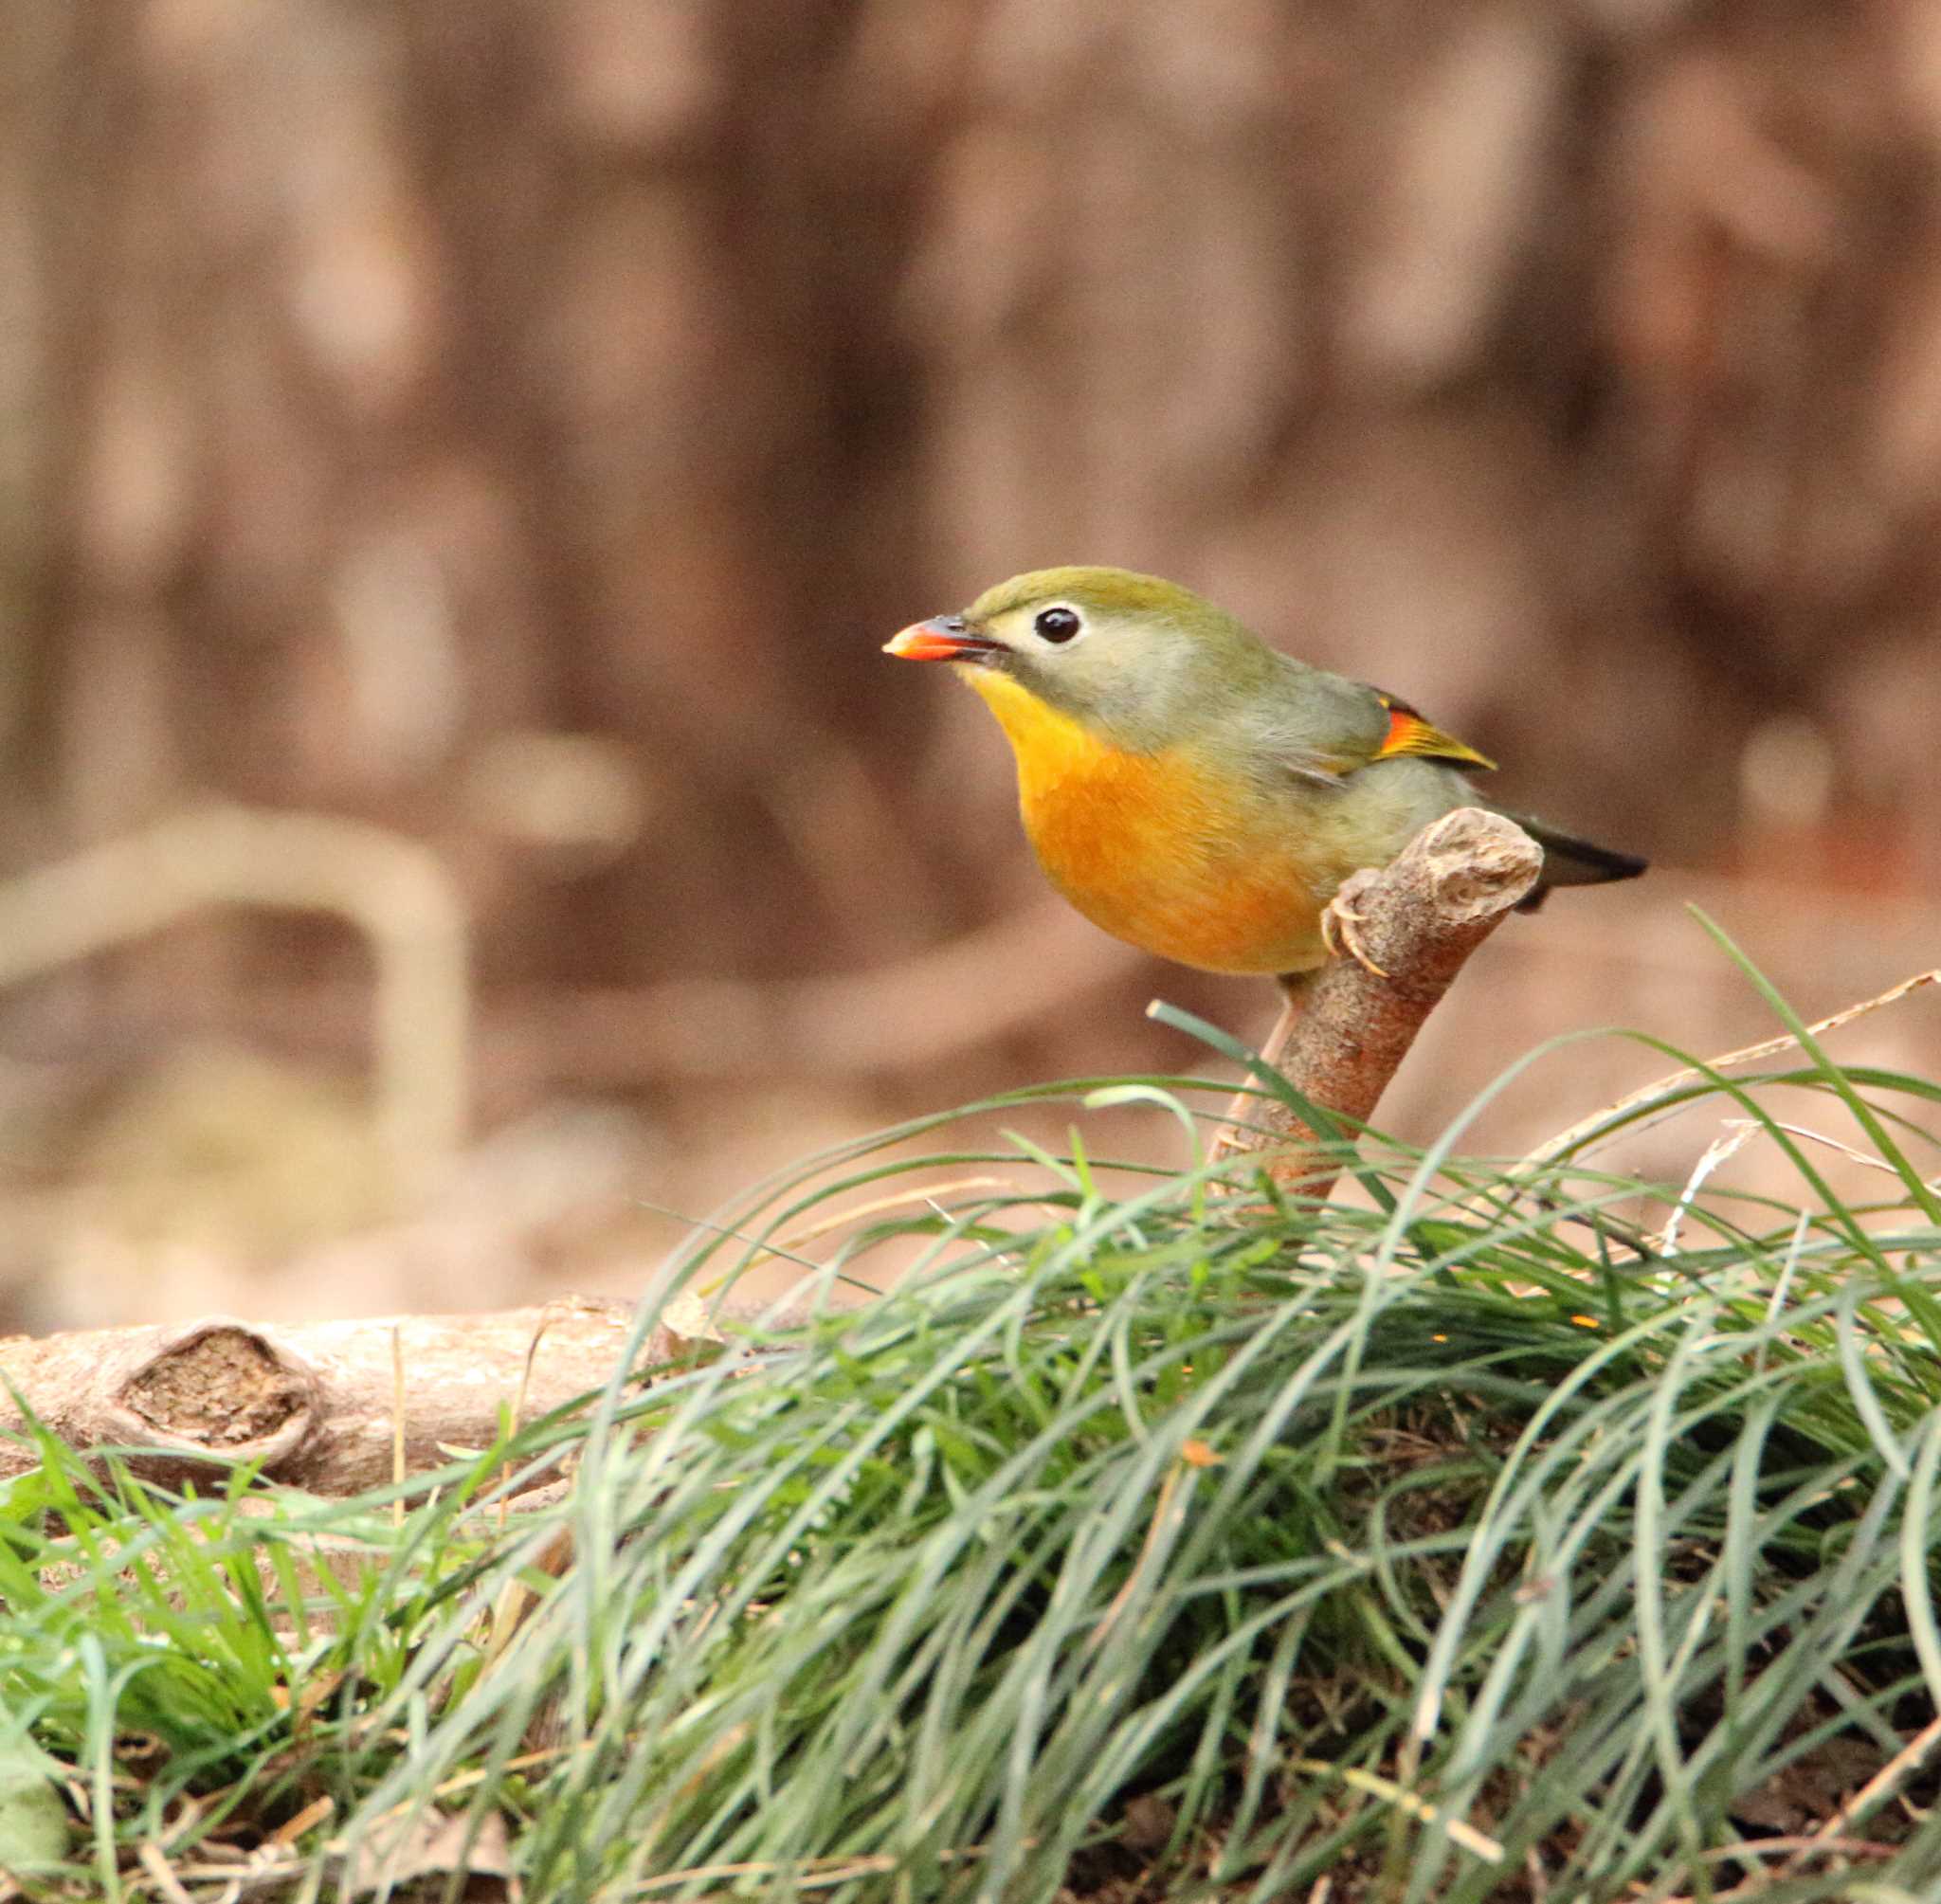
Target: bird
1195	791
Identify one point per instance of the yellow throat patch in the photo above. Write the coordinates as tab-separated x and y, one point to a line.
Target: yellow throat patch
1051	747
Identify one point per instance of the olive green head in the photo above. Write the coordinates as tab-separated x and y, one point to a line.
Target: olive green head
1140	659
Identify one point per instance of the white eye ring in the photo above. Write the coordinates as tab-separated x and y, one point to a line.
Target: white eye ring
1059	624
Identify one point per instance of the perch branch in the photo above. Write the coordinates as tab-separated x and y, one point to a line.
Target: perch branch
1345	1029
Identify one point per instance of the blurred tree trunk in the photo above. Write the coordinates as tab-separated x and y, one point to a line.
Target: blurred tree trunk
516	424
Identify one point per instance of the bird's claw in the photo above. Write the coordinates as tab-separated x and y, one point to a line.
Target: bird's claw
1341	924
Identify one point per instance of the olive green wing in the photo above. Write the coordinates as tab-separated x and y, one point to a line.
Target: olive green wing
1323	728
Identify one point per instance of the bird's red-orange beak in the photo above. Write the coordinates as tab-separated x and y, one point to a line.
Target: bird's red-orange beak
944	638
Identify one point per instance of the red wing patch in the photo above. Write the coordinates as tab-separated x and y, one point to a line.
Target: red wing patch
1409	733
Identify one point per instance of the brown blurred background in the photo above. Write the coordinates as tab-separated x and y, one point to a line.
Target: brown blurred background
459	459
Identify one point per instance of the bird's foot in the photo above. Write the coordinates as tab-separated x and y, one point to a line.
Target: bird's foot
1341	924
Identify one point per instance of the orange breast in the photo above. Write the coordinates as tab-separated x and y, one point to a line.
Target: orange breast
1154	850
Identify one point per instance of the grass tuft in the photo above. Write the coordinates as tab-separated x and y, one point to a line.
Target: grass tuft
1535	1532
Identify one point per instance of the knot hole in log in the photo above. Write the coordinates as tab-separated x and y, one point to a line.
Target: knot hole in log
219	1388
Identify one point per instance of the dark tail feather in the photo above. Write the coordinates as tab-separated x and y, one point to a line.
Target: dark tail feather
1570	862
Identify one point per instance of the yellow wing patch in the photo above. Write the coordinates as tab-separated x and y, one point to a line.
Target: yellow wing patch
1409	733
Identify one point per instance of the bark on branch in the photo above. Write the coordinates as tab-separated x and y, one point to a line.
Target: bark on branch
1345	1029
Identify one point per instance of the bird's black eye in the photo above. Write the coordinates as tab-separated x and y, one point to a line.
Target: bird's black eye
1056	625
